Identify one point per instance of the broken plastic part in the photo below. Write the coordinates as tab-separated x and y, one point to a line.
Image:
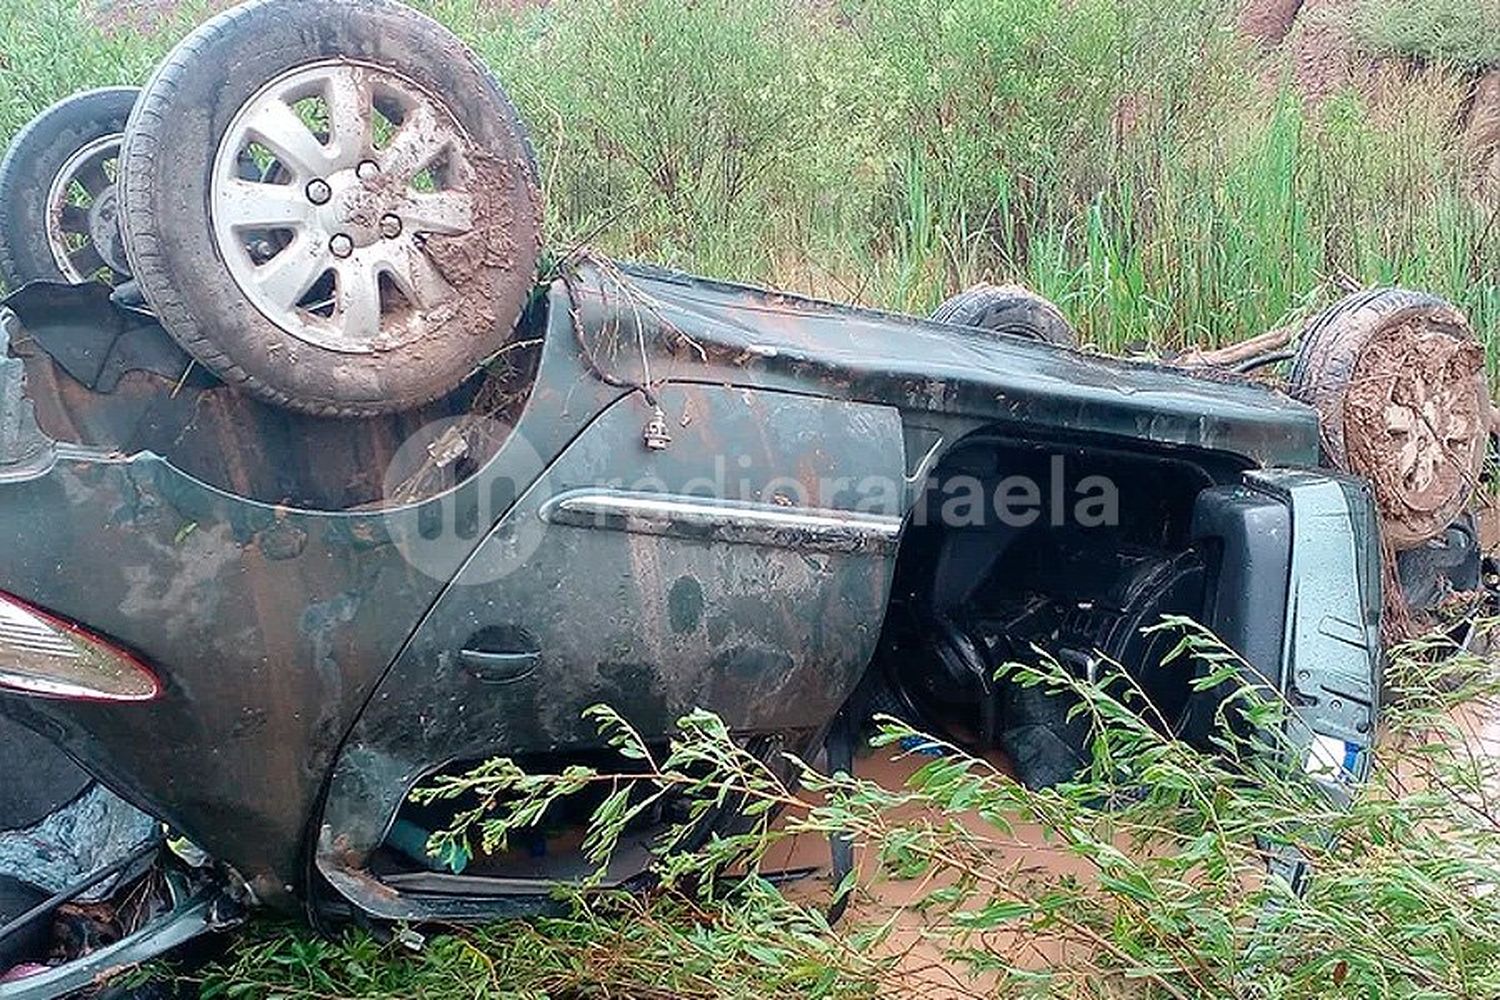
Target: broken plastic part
88	834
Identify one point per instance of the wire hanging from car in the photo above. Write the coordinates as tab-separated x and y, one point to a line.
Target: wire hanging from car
586	350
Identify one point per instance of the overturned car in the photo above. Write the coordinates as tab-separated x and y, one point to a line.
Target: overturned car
311	489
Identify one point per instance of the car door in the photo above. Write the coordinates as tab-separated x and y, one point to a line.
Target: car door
743	567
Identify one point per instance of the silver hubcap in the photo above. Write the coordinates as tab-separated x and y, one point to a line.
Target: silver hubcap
82	230
326	189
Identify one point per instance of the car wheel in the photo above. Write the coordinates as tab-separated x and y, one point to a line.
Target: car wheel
1398	380
1008	309
331	204
58	199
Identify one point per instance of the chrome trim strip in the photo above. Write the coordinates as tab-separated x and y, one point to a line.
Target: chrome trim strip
24	631
723	520
726	512
44	687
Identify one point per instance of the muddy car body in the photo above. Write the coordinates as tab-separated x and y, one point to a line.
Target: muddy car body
314	665
296	514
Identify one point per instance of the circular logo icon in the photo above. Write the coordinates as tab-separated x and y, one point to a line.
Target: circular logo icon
454	499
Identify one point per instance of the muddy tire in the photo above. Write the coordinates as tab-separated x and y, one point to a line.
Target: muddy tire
51	230
331	204
1398	380
1010	310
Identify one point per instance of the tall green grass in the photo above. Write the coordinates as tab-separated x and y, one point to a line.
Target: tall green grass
1466	32
1131	159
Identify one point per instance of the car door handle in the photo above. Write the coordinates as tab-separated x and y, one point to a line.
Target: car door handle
489	667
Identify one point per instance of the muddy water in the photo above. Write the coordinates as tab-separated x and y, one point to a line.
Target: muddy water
922	970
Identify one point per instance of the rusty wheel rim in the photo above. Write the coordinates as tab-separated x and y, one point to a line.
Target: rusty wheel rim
82	226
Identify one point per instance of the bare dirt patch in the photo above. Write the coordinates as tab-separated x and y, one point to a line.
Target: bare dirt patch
923	970
1482	132
1269	21
1322	48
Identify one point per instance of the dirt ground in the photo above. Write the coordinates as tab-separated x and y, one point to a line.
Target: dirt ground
1268	21
1482	136
1314	35
1315	39
1322	47
922	971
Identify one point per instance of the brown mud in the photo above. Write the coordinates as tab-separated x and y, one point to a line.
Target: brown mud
484	263
1268	21
1415	425
1027	853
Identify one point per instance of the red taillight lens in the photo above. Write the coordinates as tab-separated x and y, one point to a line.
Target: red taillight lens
46	657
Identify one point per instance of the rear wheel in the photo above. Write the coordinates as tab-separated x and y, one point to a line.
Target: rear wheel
1398	380
58	200
331	204
1010	310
